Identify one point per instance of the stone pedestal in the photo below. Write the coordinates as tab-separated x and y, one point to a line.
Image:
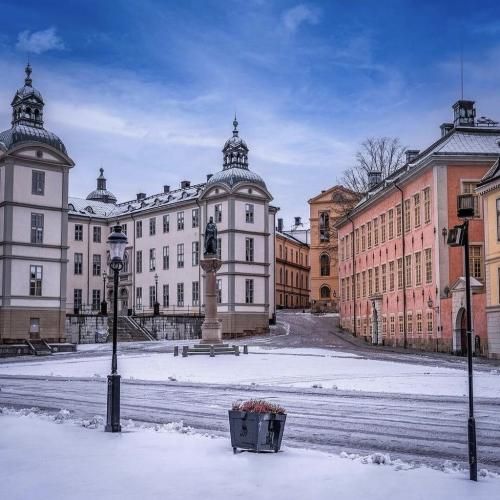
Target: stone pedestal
211	330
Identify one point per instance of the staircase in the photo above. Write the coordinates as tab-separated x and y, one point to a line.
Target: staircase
39	347
128	330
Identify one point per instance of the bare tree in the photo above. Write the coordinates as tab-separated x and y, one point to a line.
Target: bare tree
382	154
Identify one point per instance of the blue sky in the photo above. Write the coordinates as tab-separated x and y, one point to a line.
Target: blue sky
148	88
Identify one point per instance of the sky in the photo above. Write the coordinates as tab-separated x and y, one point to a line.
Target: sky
148	89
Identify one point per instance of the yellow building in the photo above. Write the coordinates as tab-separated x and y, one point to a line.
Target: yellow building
489	189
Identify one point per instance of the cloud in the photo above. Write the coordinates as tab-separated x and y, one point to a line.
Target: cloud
38	42
302	13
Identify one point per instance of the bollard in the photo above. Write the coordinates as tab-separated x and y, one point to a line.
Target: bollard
236	350
184	351
176	350
212	351
245	349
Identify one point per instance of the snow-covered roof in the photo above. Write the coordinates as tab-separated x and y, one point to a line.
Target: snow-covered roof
293	236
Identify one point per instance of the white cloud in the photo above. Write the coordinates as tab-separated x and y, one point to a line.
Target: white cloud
302	13
38	42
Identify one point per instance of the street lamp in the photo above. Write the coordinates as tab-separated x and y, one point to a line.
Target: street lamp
459	236
156	305
117	242
104	304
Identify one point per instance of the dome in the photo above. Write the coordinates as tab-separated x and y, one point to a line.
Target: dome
232	176
24	133
235	142
26	92
101	193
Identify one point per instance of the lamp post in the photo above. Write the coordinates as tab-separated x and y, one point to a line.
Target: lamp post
117	242
156	305
104	304
459	236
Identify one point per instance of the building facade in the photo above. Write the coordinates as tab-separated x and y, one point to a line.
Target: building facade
400	282
34	172
325	210
292	267
165	245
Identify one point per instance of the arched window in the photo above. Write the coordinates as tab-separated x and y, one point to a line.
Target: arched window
324	227
281	275
324	263
324	292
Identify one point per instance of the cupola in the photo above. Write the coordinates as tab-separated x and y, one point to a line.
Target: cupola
27	105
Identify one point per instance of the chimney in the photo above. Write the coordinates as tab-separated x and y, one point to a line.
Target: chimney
185	184
280	225
446	128
298	221
166	188
141	196
464	114
209	176
374	178
411	154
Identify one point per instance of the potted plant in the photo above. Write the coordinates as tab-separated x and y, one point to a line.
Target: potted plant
256	425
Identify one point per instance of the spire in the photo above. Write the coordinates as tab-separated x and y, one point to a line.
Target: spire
235	151
27	105
235	125
28	81
101	180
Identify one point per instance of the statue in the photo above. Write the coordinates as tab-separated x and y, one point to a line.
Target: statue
210	238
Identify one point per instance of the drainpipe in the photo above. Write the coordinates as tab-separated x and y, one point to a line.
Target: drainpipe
200	254
405	339
133	262
353	279
88	261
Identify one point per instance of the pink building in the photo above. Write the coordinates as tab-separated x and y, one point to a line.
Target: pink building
400	283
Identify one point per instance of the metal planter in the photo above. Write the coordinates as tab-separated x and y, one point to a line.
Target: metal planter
256	431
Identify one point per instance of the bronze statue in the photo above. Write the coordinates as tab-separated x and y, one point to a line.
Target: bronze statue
210	238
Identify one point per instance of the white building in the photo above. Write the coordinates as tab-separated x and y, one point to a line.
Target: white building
165	233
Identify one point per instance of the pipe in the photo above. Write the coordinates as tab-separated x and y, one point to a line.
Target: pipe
405	339
353	274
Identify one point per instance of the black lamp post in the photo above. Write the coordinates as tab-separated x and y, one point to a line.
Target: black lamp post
156	305
459	236
117	242
104	304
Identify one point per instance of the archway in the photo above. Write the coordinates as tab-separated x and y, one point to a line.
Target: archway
324	292
460	339
123	300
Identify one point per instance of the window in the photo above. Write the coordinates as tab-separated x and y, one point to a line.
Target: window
391	276
219	248
324	292
78	263
430	322
138	259
382	228
96	300
195	293
409	323
38	182
138	297
400	273
166	223
180	255
428	265
152	296
324	227
218	212
195	217
418	268
358	286
249	213
138	229
408	270
78	232
369	233
391	223
427	206
342	249
97	234
376	285
416	209
36	281
37	229
419	322
180	294
180	221
363	238
77	298
470	188
393	325
375	231
166	258
324	264
407	215
218	288
96	265
249	291
124	228
399	220
342	289
384	325
363	283
152	226
348	289
249	254
166	296
195	252
370	282
356	236
152	259
384	278
475	261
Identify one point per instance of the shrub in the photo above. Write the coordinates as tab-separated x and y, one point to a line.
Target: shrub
258	406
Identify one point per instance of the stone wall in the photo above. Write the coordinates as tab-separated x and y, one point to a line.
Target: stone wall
174	327
86	329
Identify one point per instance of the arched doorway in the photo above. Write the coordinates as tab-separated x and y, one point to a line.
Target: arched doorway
461	332
123	300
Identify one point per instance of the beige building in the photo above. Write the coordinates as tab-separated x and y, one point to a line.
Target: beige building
325	209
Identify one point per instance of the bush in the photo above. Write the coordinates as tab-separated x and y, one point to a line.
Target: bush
258	406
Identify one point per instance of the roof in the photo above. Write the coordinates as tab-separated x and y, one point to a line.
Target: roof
24	133
294	239
231	176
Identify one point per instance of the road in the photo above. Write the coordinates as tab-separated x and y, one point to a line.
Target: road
424	429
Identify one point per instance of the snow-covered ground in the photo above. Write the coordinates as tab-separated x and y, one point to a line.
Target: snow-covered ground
58	458
280	367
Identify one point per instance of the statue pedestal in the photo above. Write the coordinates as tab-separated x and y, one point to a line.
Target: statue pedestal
211	330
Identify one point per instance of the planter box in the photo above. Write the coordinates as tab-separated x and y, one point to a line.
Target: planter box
256	431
